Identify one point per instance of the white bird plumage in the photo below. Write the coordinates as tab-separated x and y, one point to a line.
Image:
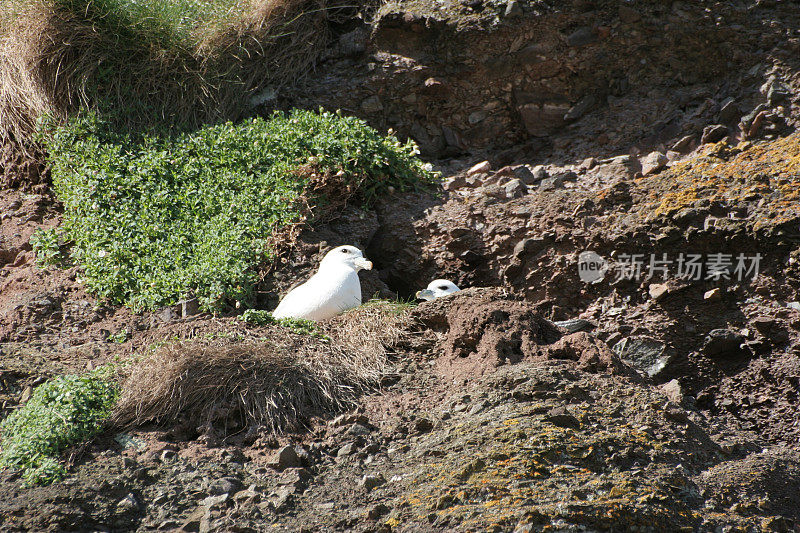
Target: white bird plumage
436	289
334	288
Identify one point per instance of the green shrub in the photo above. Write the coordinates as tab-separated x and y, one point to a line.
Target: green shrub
63	411
154	219
46	246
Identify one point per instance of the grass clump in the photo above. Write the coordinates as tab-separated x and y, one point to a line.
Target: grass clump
154	219
259	317
153	63
64	411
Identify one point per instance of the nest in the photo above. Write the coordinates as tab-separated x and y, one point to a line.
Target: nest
278	383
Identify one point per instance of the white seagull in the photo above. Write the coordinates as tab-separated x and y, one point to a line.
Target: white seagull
436	289
335	287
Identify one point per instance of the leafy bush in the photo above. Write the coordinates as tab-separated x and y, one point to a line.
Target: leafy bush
46	246
158	218
61	412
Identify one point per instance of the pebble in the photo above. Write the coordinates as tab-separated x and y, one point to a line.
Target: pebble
371	481
720	342
653	162
658	290
286	458
515	189
225	485
713	133
128	503
483	167
713	295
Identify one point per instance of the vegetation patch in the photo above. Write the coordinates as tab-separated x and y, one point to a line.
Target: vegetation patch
149	63
62	412
154	219
278	382
259	317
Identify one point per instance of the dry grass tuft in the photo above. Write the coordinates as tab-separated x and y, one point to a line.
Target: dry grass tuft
57	56
279	382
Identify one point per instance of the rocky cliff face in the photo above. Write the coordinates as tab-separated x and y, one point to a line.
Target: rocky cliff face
645	132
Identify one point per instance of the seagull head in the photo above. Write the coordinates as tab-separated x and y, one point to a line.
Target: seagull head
346	255
436	289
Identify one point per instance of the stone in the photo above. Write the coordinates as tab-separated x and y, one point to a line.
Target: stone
653	162
214	501
189	307
620	167
729	111
225	485
580	109
562	418
484	167
476	116
541	119
358	430
713	133
523	174
539	173
371	481
346	450
455	182
722	342
647	355
713	295
377	511
672	390
581	37
286	458
588	164
515	189
658	290
551	184
776	92
372	105
127	504
763	324
513	9
684	145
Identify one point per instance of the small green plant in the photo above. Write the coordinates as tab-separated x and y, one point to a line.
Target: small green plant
153	218
118	337
46	246
259	317
61	412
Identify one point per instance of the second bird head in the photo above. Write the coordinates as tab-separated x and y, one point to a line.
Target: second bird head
348	256
436	289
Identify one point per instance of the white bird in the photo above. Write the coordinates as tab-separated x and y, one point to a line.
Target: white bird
436	289
335	287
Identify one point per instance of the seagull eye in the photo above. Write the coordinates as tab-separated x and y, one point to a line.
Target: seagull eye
345	251
442	287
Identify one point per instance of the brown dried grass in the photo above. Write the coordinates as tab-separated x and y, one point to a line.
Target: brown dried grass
56	58
279	382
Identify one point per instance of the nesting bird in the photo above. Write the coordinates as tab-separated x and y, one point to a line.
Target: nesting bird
334	288
436	289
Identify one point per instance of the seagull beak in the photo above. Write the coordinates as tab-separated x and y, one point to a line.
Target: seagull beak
426	294
363	263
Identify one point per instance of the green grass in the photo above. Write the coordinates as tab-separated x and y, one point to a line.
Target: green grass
153	219
259	317
62	412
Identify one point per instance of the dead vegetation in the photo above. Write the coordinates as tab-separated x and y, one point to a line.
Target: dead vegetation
58	56
279	381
